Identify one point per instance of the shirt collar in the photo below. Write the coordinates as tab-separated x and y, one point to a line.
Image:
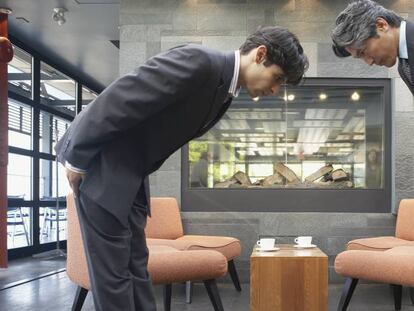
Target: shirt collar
234	90
402	50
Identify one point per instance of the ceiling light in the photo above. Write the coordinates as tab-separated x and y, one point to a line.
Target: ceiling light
289	97
59	16
255	99
323	96
355	96
6	11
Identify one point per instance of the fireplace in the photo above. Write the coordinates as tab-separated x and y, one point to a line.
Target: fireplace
322	146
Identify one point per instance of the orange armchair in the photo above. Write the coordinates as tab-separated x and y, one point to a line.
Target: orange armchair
404	232
365	258
166	265
164	227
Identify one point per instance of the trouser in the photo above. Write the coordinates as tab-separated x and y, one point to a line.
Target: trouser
117	256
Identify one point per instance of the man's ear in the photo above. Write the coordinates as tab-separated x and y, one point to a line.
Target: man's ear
382	24
260	54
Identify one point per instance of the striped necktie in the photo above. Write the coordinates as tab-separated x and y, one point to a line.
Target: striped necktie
405	71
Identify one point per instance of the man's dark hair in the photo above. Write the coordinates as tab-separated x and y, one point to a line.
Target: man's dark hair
283	49
357	23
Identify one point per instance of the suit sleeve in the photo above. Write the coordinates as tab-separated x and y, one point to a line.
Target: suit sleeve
164	80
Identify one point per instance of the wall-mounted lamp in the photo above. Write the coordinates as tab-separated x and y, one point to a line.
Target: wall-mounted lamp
59	15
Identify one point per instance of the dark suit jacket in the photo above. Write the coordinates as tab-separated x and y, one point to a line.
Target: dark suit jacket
410	47
138	121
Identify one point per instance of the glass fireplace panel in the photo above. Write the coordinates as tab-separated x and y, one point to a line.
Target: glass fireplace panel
309	136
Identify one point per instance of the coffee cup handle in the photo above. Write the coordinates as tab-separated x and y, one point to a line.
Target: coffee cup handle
296	240
258	242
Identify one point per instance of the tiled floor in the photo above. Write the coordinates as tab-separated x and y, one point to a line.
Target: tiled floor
56	292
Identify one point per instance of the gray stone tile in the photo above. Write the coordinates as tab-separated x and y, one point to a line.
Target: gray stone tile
166	184
403	99
173	163
224	43
311	51
337	244
381	220
153	48
185	19
131	55
308	31
350	69
146	18
170	42
223	17
134	33
365	231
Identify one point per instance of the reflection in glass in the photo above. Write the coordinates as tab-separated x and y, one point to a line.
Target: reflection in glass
20	73
51	129
19	176
19	227
87	96
48	224
298	139
57	90
20	125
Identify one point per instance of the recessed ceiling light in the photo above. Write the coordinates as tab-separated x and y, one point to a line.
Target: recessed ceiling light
355	96
255	99
323	96
291	97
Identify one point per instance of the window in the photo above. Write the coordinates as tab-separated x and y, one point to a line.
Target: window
19	227
49	224
19	176
36	121
20	125
51	129
20	73
57	90
314	137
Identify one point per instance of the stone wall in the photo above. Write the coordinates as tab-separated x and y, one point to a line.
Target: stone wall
148	27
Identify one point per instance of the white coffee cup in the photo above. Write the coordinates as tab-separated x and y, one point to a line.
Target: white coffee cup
304	240
266	243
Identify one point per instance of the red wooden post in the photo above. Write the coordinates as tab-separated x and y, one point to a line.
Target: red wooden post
6	55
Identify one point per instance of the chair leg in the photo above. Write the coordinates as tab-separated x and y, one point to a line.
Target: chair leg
234	276
79	298
167	297
213	293
347	292
188	291
411	290
397	296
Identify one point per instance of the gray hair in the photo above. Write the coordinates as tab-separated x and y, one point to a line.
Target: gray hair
357	23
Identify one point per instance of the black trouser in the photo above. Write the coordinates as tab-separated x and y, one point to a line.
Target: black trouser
117	256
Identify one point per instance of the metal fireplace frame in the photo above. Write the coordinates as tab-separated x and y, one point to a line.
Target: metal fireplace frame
301	200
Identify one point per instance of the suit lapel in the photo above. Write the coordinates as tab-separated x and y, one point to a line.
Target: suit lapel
219	105
410	47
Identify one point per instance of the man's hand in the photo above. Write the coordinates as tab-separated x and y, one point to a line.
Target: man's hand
75	180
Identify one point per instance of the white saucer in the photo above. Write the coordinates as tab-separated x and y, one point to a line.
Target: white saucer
267	250
305	246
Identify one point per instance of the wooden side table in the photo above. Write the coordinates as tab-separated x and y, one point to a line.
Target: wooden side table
290	279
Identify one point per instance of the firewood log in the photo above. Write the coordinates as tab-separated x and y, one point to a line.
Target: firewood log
287	173
339	175
242	178
226	183
319	173
276	178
